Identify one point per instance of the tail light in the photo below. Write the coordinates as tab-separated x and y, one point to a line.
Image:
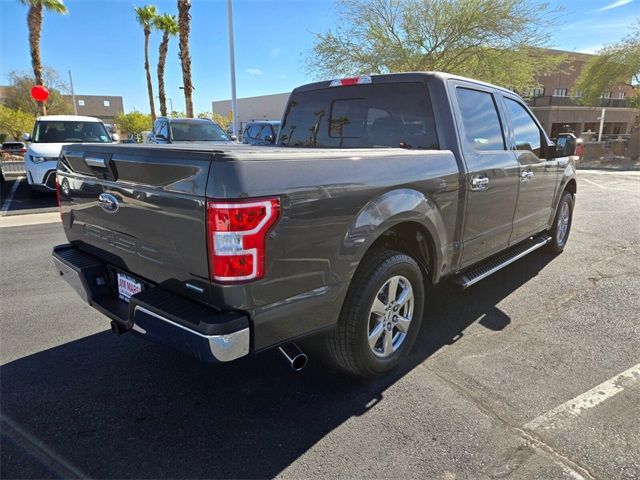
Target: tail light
236	237
58	197
23	150
580	149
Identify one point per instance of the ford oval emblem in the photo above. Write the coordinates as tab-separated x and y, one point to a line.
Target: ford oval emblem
108	203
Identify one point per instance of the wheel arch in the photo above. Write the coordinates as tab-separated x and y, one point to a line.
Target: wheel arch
571	186
405	220
413	239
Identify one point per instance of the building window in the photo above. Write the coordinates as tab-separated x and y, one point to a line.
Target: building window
81	103
106	103
536	92
606	94
578	93
622	94
560	92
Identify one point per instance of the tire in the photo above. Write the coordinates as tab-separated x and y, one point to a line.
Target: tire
564	217
349	343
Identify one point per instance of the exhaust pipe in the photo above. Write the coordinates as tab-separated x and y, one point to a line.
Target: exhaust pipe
117	328
296	357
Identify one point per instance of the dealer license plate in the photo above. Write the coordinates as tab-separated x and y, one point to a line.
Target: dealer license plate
127	286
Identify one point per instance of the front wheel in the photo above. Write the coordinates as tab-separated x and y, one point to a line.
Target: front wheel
562	223
381	315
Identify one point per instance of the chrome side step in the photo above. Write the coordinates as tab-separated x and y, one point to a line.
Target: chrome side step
483	270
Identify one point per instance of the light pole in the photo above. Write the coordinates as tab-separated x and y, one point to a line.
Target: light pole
601	118
170	103
73	95
232	65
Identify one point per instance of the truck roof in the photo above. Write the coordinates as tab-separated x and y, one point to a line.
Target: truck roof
402	77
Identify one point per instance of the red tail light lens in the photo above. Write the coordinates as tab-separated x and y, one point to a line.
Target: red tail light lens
236	237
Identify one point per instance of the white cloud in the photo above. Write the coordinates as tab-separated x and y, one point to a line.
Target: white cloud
616	4
254	71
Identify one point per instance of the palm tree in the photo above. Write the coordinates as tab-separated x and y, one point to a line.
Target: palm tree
34	21
184	19
168	25
146	16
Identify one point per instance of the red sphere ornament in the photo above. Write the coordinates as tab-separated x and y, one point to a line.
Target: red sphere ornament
39	93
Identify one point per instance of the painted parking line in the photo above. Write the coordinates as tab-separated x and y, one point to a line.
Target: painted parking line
12	192
29	219
625	173
591	399
593	183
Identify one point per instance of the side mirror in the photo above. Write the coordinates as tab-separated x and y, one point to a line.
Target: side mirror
26	137
233	138
161	137
551	151
566	146
115	137
268	138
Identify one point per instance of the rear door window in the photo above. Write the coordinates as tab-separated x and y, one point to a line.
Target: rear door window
482	128
359	116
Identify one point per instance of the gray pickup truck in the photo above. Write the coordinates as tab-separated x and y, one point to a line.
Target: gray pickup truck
377	188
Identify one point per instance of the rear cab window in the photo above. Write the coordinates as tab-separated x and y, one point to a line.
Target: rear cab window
373	115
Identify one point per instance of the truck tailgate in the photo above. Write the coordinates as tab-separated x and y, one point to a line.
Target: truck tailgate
142	210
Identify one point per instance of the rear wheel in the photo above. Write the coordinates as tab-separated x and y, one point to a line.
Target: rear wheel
562	223
381	315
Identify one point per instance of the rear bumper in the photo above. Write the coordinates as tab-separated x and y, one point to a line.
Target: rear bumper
159	315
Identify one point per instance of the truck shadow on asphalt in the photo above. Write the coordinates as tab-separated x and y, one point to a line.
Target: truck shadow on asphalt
112	407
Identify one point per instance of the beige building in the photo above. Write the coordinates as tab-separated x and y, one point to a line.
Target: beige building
103	107
263	107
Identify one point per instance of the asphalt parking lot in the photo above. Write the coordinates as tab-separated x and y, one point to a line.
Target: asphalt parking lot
16	199
532	373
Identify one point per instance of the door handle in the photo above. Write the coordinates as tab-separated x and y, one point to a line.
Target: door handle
526	175
479	183
96	162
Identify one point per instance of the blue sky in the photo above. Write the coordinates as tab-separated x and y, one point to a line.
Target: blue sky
100	41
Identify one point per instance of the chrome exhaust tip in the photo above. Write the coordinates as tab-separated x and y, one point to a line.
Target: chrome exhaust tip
297	358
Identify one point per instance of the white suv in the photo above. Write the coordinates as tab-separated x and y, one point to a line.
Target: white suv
50	133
